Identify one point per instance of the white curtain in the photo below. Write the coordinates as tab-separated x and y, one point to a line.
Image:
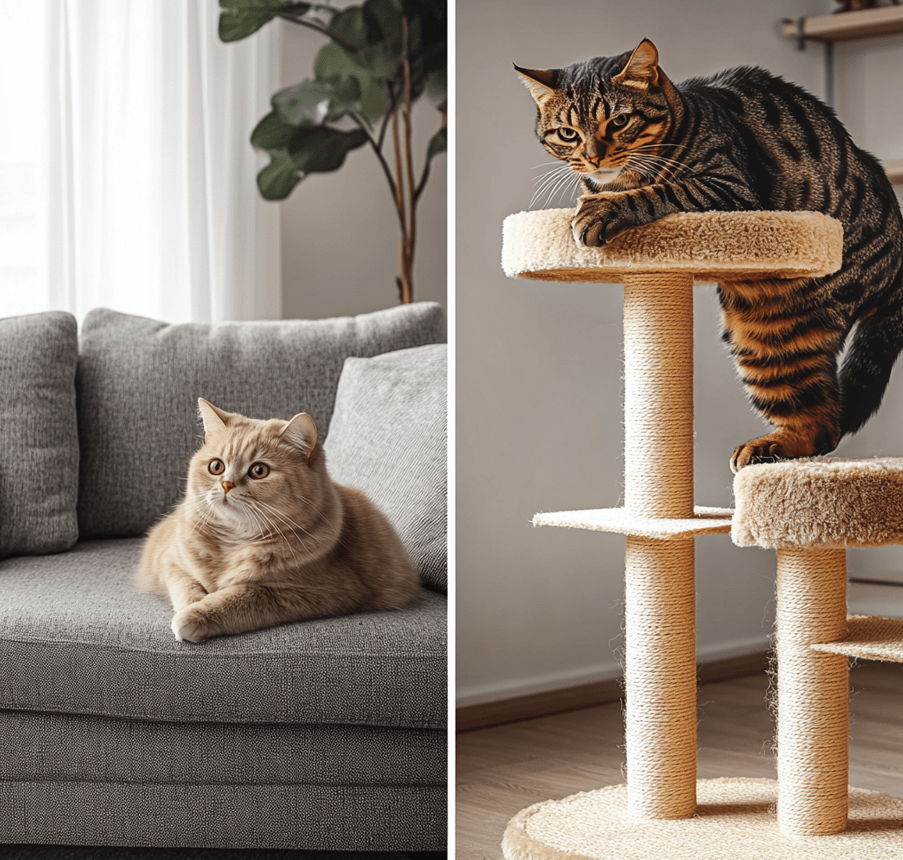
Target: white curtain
145	189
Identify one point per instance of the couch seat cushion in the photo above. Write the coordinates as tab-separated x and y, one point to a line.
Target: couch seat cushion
77	637
388	437
38	438
139	381
75	747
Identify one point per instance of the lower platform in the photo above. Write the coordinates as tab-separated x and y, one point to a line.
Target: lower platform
705	521
735	819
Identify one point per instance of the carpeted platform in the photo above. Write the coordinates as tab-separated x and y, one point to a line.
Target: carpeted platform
735	820
719	245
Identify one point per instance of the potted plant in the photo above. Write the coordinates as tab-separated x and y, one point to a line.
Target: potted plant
379	59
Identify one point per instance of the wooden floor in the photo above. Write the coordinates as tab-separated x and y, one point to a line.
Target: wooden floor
501	770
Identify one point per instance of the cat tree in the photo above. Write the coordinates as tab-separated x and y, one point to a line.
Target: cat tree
808	510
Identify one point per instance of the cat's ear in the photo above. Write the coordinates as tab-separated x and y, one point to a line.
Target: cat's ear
642	67
540	83
213	418
302	431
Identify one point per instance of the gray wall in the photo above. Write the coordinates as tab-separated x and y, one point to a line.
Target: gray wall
539	365
340	231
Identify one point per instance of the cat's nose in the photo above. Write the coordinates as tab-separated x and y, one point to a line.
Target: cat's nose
227	485
596	149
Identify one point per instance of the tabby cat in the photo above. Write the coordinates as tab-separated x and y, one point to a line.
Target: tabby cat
263	536
745	139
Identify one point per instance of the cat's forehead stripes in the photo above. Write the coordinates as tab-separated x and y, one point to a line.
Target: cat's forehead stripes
246	444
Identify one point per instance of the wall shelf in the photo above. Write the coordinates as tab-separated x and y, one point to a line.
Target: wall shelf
894	169
850	25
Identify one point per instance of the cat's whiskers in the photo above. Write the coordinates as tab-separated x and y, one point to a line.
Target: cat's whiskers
273	512
549	182
319	513
654	167
205	512
291	524
559	187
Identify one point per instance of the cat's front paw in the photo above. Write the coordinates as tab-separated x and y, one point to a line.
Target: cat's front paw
781	445
599	219
189	625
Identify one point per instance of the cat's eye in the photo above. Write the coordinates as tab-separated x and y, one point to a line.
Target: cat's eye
216	467
259	470
567	134
620	120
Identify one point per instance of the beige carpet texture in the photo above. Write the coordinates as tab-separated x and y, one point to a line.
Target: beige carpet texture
709	245
819	502
869	637
735	820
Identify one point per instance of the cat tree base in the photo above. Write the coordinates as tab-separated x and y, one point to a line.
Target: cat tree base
735	818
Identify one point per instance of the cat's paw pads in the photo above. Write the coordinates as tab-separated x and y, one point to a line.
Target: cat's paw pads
188	626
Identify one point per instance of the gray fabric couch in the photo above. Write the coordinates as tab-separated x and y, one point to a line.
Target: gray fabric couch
318	735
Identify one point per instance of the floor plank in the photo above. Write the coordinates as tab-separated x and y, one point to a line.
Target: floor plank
502	769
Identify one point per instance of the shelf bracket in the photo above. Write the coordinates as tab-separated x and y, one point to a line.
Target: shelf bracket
800	37
801	43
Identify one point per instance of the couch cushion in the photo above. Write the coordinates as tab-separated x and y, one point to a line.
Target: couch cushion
38	438
77	637
314	818
73	747
388	437
139	380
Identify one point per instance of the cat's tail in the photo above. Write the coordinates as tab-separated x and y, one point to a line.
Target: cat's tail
876	342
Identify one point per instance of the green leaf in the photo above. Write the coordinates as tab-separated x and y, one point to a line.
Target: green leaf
386	15
272	132
351	26
345	96
438	144
381	62
374	101
332	63
303	103
240	18
319	149
279	177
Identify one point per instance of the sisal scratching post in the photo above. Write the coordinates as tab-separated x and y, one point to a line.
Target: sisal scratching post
660	658
813	715
809	510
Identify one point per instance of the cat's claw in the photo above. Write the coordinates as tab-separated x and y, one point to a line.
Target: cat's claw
599	218
750	453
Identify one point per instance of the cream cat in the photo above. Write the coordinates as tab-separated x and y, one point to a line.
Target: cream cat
263	536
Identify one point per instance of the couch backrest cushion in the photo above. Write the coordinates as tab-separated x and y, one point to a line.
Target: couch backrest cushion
139	380
388	436
38	438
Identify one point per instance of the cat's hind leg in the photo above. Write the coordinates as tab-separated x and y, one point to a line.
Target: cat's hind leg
786	355
876	343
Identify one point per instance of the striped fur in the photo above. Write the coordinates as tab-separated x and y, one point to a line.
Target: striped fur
745	139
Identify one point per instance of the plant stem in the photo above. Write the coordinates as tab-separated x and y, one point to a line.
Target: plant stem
407	240
377	149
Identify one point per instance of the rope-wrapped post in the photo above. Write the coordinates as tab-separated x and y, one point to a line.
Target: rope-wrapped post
660	614
813	692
